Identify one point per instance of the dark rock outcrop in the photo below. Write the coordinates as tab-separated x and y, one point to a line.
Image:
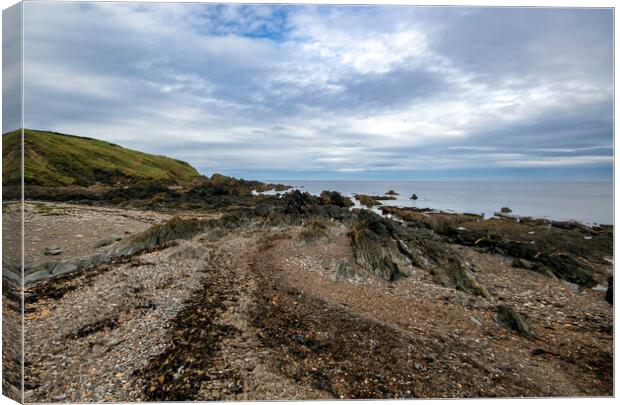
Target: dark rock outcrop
609	294
367	200
571	268
295	206
413	197
374	247
507	317
385	248
452	273
335	198
161	234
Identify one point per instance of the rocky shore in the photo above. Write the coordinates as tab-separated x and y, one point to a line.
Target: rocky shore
208	290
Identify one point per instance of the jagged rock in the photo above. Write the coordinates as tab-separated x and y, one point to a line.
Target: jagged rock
373	246
533	266
505	210
452	273
413	197
507	317
367	200
335	198
298	203
387	250
415	257
160	234
570	268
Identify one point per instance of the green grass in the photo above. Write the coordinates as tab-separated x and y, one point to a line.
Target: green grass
53	159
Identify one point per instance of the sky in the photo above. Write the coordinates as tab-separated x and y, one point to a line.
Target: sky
331	92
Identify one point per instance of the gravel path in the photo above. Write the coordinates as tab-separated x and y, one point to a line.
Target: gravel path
86	345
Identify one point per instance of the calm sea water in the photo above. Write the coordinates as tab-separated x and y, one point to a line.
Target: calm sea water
588	202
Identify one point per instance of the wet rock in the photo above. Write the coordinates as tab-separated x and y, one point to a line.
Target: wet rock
52	251
413	197
507	317
391	192
505	210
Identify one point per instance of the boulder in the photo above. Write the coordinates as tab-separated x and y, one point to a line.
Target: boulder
52	251
451	273
391	192
413	197
507	317
505	210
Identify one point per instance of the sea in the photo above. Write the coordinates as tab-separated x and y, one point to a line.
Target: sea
587	202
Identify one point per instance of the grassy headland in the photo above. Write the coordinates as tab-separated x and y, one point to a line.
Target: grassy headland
54	159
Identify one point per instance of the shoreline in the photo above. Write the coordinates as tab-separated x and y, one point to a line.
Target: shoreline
284	287
394	203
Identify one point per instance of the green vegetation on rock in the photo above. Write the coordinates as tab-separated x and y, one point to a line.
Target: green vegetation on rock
53	159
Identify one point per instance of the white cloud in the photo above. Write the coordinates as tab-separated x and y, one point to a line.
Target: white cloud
338	90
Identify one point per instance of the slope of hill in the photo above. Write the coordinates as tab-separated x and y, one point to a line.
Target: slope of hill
53	159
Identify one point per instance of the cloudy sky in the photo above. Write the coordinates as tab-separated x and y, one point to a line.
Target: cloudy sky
327	92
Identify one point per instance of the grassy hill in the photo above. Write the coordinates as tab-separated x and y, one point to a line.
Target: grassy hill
53	159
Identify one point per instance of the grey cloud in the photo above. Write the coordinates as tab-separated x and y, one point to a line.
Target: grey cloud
498	45
261	88
11	68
